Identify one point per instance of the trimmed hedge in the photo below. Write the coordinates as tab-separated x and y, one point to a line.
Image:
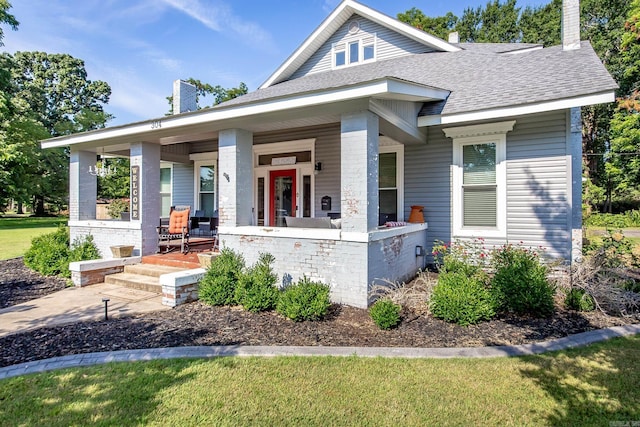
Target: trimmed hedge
218	286
305	300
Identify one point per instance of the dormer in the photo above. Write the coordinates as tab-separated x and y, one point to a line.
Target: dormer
355	34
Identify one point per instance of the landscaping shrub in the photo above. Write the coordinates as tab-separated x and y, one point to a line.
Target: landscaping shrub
618	250
577	299
218	286
305	300
627	219
385	313
462	299
116	207
50	253
520	282
256	290
461	256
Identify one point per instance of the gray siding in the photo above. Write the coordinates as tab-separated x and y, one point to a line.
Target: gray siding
182	185
427	183
389	45
537	191
537	171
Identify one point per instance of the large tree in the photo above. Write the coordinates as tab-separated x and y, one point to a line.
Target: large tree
494	23
6	18
439	26
50	95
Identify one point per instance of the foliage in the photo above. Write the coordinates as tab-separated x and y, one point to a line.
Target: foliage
116	185
462	299
44	95
617	249
577	299
412	297
623	220
256	290
542	24
385	313
218	93
305	300
6	18
520	281
439	26
50	253
218	286
116	207
495	23
468	257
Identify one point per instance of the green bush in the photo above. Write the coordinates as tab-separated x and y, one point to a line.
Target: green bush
462	299
467	257
116	207
385	313
305	300
50	253
520	282
577	299
256	290
218	286
623	220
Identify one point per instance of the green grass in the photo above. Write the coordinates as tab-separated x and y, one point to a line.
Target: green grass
16	233
595	385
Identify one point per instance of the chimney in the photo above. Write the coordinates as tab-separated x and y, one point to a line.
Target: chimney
184	97
570	24
454	37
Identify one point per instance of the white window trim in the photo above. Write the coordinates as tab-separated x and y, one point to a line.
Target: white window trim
346	42
399	150
168	165
480	134
204	159
301	170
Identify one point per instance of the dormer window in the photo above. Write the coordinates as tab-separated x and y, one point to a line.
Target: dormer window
354	50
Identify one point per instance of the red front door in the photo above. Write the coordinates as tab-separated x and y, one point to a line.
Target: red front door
282	195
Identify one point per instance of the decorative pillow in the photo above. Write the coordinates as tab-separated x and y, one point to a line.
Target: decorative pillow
395	224
178	220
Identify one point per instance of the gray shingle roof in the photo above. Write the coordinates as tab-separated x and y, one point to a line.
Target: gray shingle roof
479	77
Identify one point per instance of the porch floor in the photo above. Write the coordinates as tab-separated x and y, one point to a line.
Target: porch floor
196	244
173	259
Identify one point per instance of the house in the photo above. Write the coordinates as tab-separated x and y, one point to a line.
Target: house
368	117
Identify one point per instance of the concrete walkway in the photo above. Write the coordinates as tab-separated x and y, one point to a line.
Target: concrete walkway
89	359
77	304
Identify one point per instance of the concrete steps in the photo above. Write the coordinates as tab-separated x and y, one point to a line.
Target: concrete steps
142	277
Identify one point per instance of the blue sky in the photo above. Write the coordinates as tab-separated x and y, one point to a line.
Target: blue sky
140	46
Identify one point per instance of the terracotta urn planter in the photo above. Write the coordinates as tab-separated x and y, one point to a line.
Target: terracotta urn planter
121	251
416	216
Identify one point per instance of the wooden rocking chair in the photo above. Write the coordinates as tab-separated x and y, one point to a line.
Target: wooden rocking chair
178	229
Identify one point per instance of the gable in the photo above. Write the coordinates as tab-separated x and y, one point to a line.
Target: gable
388	44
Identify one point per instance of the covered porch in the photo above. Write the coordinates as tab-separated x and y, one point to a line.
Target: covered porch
339	166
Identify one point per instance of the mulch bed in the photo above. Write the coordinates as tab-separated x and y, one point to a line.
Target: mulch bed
19	284
199	324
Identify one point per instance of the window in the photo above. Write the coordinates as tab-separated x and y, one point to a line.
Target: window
207	189
165	191
390	177
479	179
354	50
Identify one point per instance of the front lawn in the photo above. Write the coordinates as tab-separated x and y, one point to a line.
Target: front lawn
595	385
17	232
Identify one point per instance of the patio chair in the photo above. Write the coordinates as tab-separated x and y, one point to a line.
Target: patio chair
178	229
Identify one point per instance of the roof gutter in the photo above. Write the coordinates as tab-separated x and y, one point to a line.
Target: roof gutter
386	88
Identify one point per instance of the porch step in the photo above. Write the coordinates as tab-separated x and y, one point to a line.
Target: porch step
176	260
150	270
135	281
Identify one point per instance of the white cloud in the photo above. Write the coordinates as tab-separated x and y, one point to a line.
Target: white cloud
219	17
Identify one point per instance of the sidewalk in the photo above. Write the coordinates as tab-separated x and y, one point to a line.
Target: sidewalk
77	304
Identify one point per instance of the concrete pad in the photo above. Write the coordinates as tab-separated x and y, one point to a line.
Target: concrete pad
75	305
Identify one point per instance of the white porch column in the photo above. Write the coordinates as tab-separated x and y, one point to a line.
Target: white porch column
83	187
359	171
145	193
235	177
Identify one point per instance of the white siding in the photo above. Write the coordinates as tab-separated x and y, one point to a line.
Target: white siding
389	45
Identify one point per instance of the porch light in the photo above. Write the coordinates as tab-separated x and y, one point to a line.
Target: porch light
318	166
101	171
419	251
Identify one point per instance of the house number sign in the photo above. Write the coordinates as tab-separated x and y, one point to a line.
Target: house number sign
135	193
